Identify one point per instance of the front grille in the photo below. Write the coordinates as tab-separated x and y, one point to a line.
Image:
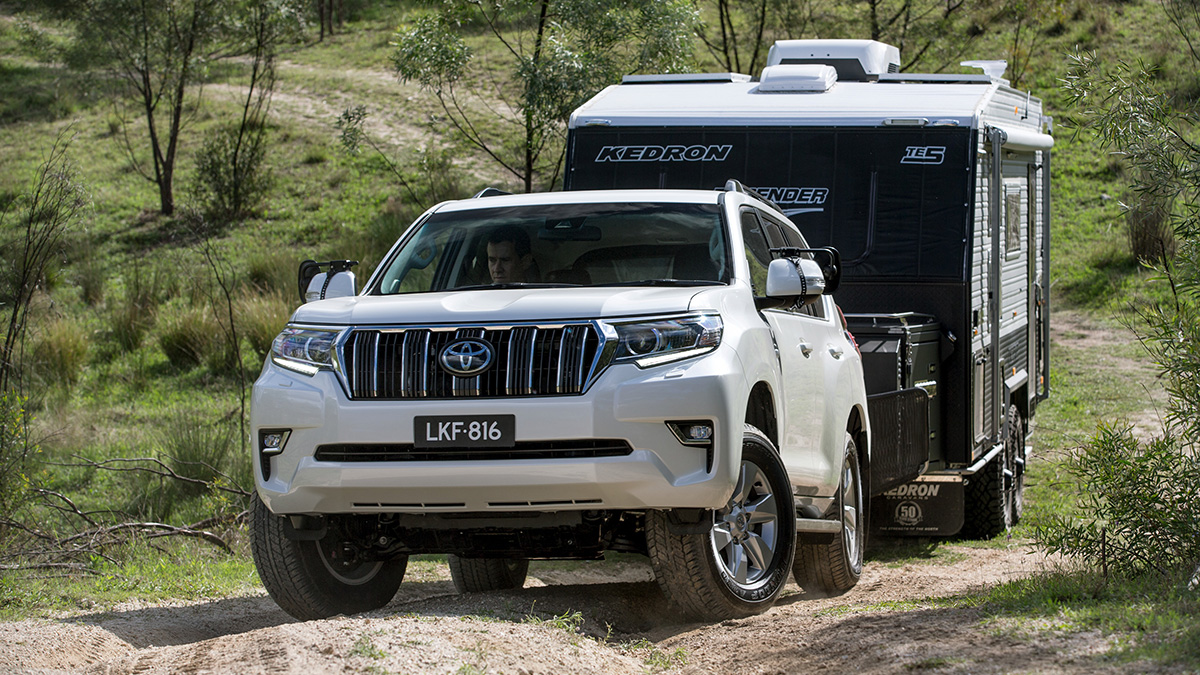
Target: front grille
528	361
405	452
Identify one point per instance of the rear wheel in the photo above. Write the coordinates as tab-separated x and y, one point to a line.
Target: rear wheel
834	567
1015	463
319	579
995	495
478	575
740	564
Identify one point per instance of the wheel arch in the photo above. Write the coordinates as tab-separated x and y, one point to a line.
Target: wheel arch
1019	396
760	411
857	427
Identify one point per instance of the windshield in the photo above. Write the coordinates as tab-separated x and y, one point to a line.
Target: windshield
561	245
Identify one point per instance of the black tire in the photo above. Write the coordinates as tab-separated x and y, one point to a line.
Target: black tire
479	575
834	567
306	581
737	567
1015	446
995	495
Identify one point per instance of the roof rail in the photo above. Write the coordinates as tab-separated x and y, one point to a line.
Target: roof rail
734	185
685	78
490	192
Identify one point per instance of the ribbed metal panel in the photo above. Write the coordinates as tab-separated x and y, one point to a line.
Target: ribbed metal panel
528	361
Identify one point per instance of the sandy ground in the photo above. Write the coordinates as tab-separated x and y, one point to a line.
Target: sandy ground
890	623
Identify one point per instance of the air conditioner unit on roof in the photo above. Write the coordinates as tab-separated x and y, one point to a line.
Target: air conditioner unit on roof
855	60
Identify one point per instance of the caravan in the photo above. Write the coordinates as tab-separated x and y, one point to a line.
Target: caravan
935	188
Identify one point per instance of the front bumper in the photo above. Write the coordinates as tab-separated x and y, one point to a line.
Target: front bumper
624	403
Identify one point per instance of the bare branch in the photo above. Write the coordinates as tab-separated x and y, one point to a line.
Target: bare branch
74	567
114	464
72	507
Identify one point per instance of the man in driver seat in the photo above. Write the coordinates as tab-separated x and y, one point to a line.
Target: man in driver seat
508	256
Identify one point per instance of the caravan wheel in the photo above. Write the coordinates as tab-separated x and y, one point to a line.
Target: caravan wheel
995	495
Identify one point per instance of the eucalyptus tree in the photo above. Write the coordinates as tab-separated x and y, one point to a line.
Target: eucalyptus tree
160	50
1140	496
932	35
508	73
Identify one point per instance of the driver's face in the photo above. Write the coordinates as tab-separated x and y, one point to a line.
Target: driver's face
504	264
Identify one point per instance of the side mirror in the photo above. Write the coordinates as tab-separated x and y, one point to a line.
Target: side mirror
828	260
800	278
336	282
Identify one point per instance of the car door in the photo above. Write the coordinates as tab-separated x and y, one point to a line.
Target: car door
799	340
824	326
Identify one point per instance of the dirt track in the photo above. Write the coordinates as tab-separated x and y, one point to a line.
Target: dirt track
888	624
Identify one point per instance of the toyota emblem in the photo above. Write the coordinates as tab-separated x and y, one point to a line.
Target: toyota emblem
466	357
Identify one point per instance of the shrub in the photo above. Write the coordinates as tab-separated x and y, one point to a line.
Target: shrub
133	316
221	356
16	454
1151	237
60	351
187	337
1137	506
91	276
260	318
231	176
198	450
129	323
270	272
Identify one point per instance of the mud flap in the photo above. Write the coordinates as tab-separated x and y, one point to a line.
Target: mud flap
930	506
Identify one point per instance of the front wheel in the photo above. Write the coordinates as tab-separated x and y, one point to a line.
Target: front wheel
740	564
318	579
834	567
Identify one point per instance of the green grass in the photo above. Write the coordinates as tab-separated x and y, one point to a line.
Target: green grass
1151	618
175	570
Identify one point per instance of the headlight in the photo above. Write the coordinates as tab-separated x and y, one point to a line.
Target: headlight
651	343
304	350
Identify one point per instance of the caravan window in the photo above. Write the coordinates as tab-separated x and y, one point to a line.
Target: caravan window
1012	219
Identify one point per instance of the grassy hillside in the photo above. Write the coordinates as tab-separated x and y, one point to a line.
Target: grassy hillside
123	361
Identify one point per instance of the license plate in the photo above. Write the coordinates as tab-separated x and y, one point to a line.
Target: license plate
465	431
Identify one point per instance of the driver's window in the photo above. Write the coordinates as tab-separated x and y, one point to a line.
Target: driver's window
758	251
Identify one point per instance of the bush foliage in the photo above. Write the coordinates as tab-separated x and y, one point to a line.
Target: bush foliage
1138	504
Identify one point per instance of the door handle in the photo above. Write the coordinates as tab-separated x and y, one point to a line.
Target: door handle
836	352
805	349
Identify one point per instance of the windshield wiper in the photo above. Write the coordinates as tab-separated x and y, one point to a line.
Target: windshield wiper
515	284
665	282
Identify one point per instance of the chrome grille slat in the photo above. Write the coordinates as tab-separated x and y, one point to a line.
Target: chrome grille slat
403	363
375	374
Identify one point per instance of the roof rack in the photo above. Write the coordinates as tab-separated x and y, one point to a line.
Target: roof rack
734	185
490	192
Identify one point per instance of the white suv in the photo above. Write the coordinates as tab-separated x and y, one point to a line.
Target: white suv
559	375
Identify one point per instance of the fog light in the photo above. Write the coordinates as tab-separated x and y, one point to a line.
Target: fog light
696	432
271	441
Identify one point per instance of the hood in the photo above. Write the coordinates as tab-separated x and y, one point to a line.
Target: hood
497	306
